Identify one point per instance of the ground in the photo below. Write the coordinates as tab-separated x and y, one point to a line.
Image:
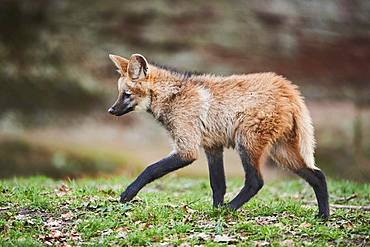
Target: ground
173	211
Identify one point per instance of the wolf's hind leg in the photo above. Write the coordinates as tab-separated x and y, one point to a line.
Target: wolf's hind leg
317	180
216	174
288	155
253	179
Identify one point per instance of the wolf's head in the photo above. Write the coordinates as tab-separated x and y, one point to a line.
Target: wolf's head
133	84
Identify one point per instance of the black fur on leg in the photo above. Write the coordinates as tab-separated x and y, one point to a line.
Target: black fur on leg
152	172
253	182
216	174
317	180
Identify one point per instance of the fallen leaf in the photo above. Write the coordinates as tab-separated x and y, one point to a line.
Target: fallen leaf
203	236
168	205
122	235
48	243
20	217
348	225
206	224
187	218
107	232
261	243
4	208
184	245
224	239
187	209
265	220
304	225
55	234
30	221
287	242
62	190
122	229
280	225
53	223
296	196
67	216
74	235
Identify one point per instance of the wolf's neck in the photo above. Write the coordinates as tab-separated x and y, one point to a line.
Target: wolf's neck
166	86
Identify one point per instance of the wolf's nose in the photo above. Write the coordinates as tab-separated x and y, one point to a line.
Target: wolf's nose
111	110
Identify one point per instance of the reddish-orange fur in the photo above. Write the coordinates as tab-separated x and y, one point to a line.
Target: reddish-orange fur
264	112
256	114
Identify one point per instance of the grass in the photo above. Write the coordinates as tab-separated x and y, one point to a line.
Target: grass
40	211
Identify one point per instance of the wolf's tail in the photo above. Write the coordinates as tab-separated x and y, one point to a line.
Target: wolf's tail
305	134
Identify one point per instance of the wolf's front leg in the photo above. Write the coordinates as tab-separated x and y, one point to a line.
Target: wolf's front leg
152	172
216	174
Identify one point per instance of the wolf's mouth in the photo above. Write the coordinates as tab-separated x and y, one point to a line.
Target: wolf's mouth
120	112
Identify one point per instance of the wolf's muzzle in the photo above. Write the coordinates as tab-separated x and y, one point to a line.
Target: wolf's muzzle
120	112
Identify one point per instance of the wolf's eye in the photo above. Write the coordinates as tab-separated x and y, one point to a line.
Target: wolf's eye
127	94
119	72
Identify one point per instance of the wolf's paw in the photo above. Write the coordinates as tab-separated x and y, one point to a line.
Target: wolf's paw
322	216
127	195
219	204
232	207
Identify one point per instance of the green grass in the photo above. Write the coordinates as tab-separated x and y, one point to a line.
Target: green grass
38	211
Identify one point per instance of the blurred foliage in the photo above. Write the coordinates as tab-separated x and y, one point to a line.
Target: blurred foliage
53	56
22	158
51	50
340	162
34	74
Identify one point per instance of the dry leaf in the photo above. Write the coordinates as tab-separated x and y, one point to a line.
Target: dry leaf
53	223
187	209
348	225
304	225
184	245
170	205
20	217
55	234
62	190
266	220
122	235
187	218
65	245
203	236
4	208
224	239
287	242
107	232
280	225
261	243
48	243
122	229
67	216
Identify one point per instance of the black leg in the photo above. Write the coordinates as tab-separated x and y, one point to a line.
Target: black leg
317	180
152	172
253	182
216	174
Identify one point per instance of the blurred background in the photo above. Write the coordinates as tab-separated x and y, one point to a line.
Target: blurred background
56	81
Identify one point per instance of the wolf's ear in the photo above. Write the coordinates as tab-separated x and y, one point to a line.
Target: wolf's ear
120	62
137	67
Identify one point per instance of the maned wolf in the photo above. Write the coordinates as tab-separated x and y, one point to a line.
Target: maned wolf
253	113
